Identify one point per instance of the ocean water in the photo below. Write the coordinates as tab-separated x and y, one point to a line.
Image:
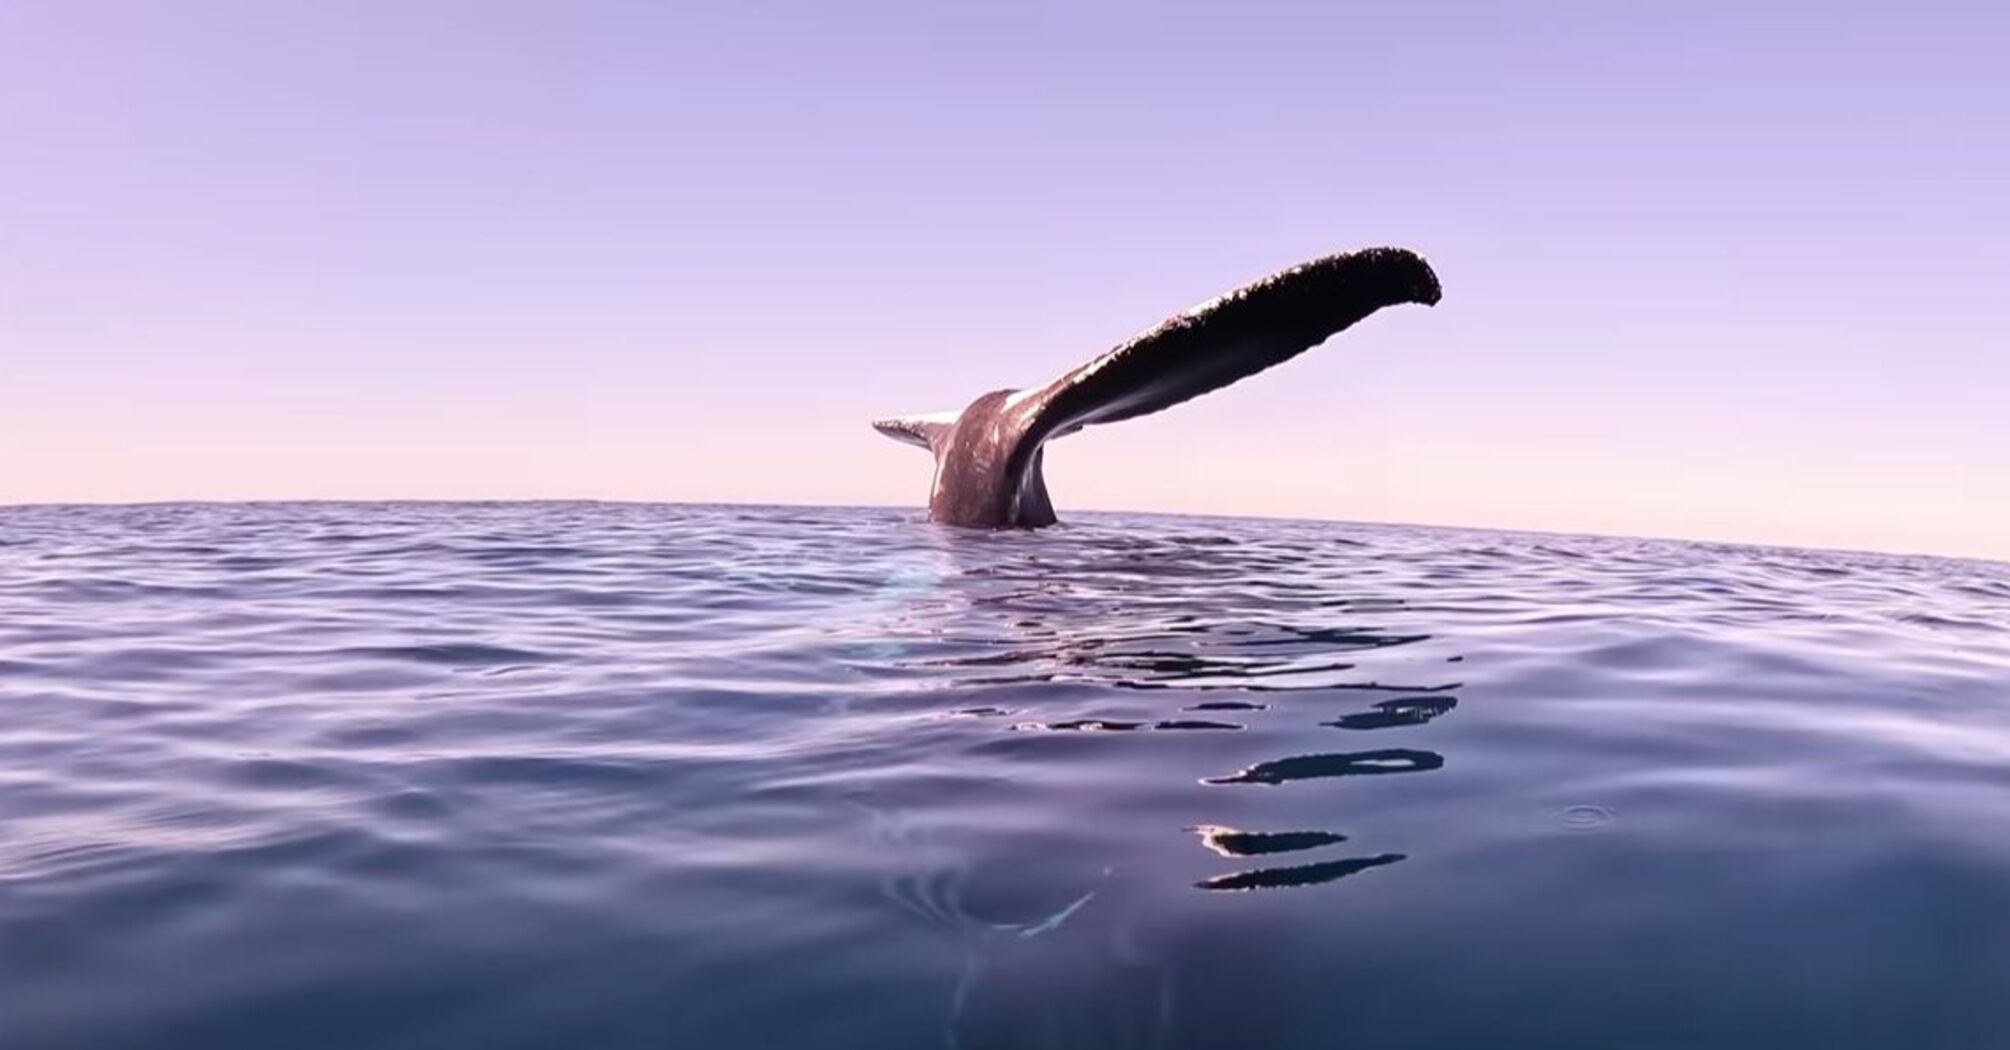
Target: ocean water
535	775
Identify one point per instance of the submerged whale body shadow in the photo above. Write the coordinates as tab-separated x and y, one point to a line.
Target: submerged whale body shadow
988	456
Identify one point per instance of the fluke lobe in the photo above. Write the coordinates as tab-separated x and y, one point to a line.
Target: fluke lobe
987	457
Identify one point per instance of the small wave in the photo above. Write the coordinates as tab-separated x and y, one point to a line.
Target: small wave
450	654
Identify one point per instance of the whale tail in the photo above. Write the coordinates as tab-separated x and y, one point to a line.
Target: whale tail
988	455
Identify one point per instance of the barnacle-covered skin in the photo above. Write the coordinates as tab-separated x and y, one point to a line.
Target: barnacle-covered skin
988	457
1237	335
987	472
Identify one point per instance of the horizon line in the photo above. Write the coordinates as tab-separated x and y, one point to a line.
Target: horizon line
2003	561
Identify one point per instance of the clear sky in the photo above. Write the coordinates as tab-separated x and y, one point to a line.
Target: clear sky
1732	271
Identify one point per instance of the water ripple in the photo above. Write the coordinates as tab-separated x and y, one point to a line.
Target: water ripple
519	775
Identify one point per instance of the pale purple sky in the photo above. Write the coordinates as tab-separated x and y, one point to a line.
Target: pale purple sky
1732	271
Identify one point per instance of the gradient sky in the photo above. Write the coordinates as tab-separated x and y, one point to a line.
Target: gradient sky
1732	271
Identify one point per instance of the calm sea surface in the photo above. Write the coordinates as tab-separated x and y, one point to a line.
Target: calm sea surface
541	775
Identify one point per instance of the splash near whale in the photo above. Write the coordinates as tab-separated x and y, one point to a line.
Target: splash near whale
988	456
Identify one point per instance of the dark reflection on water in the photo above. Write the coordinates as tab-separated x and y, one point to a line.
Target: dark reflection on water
1296	875
640	776
1350	764
1226	705
1403	711
1231	842
1120	725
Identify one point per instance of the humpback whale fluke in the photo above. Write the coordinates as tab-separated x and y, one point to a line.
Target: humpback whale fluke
987	457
